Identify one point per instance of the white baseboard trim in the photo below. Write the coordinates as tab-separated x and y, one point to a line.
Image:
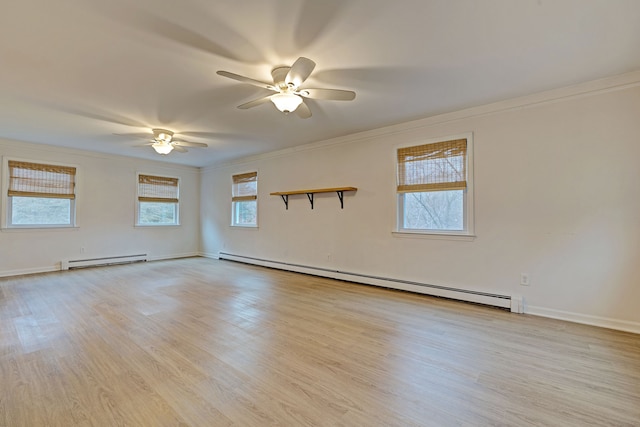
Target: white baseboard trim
496	300
24	271
59	266
209	255
174	256
603	322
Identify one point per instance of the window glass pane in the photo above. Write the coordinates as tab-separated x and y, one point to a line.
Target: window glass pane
245	188
157	213
245	212
434	210
40	211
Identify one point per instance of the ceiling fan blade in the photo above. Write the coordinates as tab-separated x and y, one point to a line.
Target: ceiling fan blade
303	111
300	70
136	135
95	113
179	149
178	142
244	79
210	135
328	94
254	103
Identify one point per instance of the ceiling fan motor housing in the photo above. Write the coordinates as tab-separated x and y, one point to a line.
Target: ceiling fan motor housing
279	75
162	135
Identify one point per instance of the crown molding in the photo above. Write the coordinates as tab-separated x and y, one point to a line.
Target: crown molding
590	88
37	149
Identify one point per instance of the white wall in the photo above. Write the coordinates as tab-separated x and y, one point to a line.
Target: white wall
556	196
105	206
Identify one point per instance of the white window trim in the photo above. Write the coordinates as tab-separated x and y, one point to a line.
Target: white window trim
6	202
468	208
233	204
136	219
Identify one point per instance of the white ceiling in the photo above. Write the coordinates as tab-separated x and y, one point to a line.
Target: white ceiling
76	73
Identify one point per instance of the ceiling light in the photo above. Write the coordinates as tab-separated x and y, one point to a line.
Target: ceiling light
286	102
162	147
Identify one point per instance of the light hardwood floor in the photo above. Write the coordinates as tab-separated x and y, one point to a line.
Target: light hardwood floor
199	342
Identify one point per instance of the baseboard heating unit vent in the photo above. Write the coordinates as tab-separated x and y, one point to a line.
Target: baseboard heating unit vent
96	262
496	300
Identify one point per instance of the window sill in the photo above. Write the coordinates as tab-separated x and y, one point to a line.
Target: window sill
244	227
406	234
156	225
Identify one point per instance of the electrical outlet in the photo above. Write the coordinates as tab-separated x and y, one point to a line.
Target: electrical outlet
82	250
524	279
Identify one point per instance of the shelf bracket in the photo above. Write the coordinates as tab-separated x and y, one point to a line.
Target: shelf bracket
285	199
341	197
310	194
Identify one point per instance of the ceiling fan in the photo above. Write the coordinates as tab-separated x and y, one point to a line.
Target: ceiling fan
164	143
289	95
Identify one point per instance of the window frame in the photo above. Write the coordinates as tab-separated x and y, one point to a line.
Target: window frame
137	222
6	216
468	217
236	203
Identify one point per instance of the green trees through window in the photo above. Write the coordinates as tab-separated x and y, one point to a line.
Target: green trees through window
40	211
157	200
156	213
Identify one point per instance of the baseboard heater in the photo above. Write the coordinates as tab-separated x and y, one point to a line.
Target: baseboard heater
97	262
496	300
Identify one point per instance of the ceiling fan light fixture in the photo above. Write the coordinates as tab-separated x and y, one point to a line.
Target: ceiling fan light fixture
162	147
286	102
162	135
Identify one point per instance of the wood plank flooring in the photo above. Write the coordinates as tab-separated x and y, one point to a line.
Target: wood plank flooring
199	342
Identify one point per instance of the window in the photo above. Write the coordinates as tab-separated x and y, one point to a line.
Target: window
434	187
244	200
157	200
40	195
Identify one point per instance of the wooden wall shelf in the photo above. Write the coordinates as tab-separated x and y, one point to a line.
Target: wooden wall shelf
339	190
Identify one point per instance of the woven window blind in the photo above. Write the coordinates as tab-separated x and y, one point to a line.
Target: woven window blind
41	180
433	167
157	189
245	187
